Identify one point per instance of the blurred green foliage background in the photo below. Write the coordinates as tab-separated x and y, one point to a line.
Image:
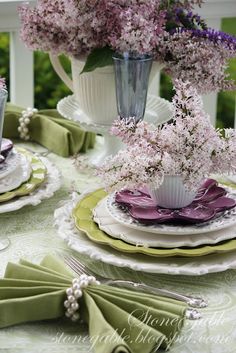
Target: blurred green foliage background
49	89
226	100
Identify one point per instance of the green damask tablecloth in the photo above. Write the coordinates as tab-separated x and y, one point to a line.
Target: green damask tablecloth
32	235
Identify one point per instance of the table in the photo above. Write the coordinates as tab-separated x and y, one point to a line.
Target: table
32	235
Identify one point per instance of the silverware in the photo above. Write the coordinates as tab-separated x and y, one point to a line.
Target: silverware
79	268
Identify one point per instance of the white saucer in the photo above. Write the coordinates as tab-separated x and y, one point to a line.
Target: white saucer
141	238
18	176
158	111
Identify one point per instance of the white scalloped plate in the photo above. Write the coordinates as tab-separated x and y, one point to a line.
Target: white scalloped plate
46	190
17	176
140	238
79	242
225	220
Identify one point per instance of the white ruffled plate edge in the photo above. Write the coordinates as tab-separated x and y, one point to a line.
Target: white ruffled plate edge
147	239
79	242
46	190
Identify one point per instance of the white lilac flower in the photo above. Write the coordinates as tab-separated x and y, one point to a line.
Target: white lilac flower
188	146
2	83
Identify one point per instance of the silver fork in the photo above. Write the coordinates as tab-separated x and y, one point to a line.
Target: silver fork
79	268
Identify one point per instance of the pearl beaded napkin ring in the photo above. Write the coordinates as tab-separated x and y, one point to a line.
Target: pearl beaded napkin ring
74	293
24	121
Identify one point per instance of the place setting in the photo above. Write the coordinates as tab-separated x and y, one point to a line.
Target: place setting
159	226
25	178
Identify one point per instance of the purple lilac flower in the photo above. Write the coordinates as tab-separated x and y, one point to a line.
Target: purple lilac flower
216	37
181	19
198	60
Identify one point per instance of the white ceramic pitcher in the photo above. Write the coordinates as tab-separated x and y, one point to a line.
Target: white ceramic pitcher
95	91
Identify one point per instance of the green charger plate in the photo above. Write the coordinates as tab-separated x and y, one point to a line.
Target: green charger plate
38	175
83	217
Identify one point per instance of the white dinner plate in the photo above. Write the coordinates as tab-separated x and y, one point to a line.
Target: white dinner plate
79	242
17	176
141	238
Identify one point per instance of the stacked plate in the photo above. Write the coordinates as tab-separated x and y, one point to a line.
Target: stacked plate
25	178
126	229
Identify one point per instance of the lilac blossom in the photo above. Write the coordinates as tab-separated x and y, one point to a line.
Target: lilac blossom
224	156
75	27
189	146
2	83
130	132
132	25
65	26
201	61
217	37
180	18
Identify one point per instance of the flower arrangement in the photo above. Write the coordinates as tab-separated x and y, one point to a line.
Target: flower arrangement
189	146
84	25
167	29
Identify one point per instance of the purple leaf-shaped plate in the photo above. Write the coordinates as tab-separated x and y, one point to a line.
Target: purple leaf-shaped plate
194	219
207	184
222	203
191	214
212	194
209	211
209	201
6	147
134	198
153	214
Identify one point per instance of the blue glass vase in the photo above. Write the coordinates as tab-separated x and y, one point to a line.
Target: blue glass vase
132	76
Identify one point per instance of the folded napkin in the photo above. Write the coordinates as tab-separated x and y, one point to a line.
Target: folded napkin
50	129
119	320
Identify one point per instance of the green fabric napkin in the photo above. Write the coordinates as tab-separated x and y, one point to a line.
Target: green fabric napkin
50	129
119	320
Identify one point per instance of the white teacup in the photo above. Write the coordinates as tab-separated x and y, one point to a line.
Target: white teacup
95	91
